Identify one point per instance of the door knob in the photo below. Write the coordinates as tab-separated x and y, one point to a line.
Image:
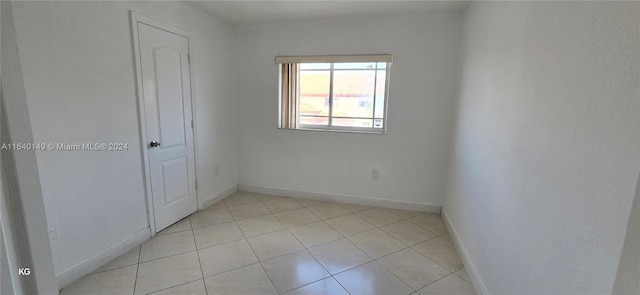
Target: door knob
154	143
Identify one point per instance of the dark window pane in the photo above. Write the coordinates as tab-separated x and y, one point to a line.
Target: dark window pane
314	93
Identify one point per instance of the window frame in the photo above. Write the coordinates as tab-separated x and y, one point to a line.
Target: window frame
332	60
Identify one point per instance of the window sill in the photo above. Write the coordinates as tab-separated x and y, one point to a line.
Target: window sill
381	132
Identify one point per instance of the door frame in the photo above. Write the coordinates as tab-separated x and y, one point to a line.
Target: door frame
135	19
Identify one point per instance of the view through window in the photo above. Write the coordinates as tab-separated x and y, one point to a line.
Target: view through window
349	96
342	94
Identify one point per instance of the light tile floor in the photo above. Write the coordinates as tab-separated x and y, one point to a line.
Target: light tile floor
261	244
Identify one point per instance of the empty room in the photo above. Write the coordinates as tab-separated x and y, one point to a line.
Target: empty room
320	147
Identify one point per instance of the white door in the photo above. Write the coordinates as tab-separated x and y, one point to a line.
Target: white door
166	89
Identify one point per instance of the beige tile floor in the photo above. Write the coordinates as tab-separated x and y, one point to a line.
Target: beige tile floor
261	244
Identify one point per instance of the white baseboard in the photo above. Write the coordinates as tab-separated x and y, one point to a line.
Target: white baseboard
91	264
338	198
218	196
478	283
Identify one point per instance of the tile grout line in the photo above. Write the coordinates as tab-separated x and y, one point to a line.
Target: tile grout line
434	259
380	264
437	281
266	233
307	284
289	230
455	273
351	234
116	268
272	212
119	267
174	254
375	227
210	225
178	285
230	270
306	248
343	236
462	278
343	288
372	260
414	290
197	254
268	277
303	245
407	247
187	219
221	244
350	268
164	234
199	261
280	220
194	236
402	218
135	283
258	259
411	246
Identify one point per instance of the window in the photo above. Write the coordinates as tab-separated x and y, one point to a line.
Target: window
340	93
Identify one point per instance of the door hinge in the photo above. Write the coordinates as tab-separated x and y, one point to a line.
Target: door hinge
191	124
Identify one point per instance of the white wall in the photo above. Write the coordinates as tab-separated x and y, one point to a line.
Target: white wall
627	281
22	209
79	79
411	157
547	143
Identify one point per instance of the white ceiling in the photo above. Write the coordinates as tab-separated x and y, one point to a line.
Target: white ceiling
260	12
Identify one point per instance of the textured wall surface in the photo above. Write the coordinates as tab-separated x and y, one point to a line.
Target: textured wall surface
411	157
547	143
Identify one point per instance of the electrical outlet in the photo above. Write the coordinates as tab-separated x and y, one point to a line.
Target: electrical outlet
216	170
53	230
375	174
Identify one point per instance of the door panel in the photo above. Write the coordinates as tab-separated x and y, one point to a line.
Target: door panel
169	87
166	88
175	178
